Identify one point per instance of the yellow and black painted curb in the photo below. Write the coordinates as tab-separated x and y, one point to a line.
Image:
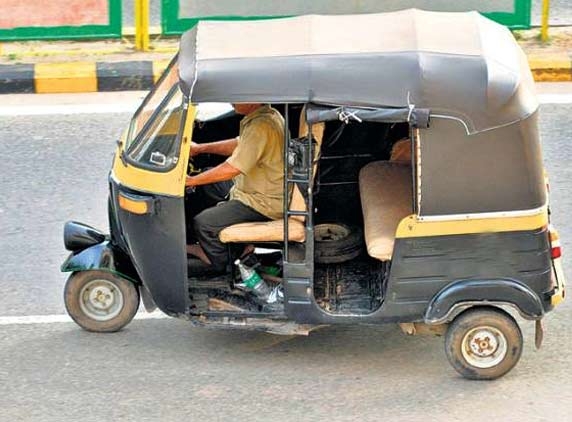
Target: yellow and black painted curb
551	67
80	76
141	75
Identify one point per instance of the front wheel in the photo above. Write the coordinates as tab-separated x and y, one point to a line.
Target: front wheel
100	301
483	344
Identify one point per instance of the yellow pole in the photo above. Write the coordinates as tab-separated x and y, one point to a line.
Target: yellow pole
142	25
545	16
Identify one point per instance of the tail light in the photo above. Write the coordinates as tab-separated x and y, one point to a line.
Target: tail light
555	248
559	280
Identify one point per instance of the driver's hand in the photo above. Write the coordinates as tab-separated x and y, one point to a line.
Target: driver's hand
195	149
189	182
189	185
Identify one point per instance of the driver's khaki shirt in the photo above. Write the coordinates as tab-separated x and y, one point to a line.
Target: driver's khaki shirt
259	157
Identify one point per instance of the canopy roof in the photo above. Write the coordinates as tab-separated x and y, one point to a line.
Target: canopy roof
458	65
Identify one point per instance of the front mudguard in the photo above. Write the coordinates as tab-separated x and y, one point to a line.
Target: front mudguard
104	257
464	294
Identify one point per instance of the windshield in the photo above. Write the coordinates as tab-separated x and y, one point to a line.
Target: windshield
143	115
157	148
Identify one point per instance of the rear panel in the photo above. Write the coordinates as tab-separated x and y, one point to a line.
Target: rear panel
422	266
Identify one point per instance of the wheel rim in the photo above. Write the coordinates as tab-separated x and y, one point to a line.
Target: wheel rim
101	300
484	347
330	232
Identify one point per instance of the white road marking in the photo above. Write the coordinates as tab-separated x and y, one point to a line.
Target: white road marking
40	110
130	107
54	319
555	98
206	110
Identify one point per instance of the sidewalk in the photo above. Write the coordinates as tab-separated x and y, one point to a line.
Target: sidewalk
113	65
72	66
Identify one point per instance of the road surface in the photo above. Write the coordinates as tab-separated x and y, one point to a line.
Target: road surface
55	153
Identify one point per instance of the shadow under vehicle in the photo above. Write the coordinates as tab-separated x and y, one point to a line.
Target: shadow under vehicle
451	240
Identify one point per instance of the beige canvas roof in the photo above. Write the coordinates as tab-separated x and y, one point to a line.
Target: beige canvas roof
459	65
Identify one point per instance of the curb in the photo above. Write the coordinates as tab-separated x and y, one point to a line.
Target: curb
551	67
43	78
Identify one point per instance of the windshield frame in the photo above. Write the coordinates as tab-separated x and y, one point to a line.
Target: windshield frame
143	133
132	138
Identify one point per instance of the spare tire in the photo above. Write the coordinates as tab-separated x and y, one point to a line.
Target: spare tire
335	243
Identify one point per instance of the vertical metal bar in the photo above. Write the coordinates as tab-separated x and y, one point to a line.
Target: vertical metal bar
142	25
309	238
545	20
286	204
414	140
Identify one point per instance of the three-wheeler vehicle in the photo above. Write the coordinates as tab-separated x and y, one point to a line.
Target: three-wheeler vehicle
454	239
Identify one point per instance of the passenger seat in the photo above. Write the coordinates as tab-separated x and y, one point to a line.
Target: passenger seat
386	198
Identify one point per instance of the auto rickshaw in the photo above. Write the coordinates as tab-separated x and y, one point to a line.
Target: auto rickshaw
455	239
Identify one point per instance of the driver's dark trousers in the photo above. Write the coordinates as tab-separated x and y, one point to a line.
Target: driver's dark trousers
209	223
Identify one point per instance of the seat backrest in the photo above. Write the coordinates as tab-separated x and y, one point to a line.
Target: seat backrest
386	197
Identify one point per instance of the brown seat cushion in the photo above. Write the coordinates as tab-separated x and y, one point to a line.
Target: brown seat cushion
270	231
386	195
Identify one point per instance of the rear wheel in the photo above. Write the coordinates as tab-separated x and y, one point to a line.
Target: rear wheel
483	344
100	301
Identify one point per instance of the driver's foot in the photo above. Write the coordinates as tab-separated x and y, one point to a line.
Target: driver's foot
198	252
198	268
248	249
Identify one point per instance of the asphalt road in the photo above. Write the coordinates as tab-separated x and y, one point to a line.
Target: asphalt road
560	12
54	168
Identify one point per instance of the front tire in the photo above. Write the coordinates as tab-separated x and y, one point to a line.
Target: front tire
483	344
100	301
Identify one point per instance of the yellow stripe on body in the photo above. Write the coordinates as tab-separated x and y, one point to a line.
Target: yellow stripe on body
413	227
65	77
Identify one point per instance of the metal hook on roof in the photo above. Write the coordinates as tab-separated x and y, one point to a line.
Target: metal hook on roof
345	116
410	105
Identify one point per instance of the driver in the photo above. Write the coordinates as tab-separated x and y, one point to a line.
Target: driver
255	164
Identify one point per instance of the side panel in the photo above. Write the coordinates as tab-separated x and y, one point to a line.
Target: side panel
156	243
147	215
494	171
424	266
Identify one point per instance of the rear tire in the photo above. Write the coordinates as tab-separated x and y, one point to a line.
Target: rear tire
100	301
483	344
